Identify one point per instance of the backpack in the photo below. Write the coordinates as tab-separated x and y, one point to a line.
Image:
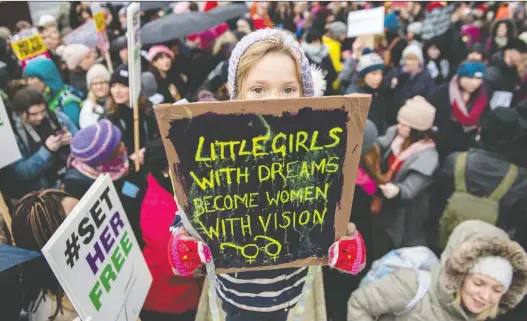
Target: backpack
463	206
419	258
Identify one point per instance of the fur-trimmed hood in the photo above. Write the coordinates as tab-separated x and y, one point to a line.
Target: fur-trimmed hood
474	239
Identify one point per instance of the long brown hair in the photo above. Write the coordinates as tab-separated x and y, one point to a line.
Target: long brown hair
36	217
144	105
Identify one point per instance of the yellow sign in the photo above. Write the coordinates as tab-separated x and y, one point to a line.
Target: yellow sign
29	47
100	22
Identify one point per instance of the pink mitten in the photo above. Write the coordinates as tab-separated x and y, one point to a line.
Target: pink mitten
186	254
348	255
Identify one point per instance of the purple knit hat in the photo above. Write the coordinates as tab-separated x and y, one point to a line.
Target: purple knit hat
94	144
259	35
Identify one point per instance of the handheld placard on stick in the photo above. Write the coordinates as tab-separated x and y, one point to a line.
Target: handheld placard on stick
136	136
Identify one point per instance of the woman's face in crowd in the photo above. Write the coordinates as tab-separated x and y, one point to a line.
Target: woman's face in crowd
403	130
163	62
35	115
411	64
120	93
373	79
88	61
470	85
501	32
433	52
475	56
100	88
36	83
51	38
265	81
480	292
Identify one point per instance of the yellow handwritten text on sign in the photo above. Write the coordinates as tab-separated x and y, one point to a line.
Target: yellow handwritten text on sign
29	47
100	22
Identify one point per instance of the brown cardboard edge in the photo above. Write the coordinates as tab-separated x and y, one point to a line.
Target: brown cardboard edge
357	106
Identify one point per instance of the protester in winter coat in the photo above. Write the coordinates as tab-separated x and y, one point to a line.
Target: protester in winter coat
43	138
407	81
95	150
435	61
487	165
403	164
122	116
253	75
476	52
502	76
459	106
119	52
94	108
349	74
317	53
170	296
170	83
36	218
482	274
339	286
333	40
43	74
370	73
502	31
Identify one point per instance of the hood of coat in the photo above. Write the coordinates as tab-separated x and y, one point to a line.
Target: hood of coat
472	240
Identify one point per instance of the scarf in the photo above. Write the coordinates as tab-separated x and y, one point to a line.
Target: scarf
501	42
314	52
415	148
469	120
116	168
365	182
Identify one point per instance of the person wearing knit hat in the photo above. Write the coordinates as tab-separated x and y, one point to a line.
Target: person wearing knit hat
476	52
370	69
94	107
481	275
391	21
253	75
408	80
121	114
333	39
79	59
170	83
5	33
47	20
411	162
457	117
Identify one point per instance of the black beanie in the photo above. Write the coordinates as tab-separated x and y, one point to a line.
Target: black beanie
120	76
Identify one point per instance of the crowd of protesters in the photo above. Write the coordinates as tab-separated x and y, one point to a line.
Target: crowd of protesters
443	162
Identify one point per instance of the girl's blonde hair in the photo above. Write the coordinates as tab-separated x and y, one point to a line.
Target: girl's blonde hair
256	52
489	313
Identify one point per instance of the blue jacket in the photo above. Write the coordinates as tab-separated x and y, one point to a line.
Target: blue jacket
30	168
60	97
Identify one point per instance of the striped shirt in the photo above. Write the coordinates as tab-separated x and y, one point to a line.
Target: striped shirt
262	291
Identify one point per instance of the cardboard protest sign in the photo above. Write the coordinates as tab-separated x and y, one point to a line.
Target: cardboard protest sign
96	258
28	45
366	22
8	145
86	34
437	22
268	183
133	23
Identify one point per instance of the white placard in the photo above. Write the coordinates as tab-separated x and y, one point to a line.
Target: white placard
97	260
100	27
8	146
366	22
501	99
133	23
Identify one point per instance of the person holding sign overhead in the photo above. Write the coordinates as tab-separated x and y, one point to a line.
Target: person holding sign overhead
270	294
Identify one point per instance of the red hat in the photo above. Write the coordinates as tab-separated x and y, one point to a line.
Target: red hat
434	5
483	7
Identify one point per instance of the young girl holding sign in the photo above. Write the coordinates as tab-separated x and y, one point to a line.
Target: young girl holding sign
266	64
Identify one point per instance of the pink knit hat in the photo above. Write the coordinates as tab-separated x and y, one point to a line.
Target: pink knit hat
417	113
156	50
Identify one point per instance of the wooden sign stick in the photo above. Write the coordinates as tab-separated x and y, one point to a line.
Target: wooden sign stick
136	136
109	62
